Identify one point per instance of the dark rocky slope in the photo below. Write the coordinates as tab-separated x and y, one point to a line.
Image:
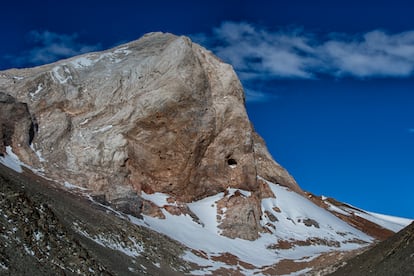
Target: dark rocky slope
45	230
394	256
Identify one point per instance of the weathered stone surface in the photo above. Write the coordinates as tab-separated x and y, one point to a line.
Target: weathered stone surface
160	114
241	218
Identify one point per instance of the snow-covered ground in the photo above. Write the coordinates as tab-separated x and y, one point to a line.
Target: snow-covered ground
308	229
204	236
392	223
11	160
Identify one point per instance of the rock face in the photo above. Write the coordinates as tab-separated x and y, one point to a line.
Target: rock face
160	114
17	126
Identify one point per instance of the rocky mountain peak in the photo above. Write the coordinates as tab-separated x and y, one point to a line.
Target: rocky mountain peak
109	149
159	114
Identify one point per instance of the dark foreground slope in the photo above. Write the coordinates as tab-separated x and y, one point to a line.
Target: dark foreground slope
45	230
394	256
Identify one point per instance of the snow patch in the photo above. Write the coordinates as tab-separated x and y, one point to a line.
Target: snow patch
11	160
295	210
39	88
333	208
397	220
206	211
84	122
38	153
300	272
115	242
38	235
3	266
123	50
28	250
72	186
158	199
232	191
391	223
59	77
82	62
103	129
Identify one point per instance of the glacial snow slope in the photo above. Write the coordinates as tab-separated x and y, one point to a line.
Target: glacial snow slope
297	231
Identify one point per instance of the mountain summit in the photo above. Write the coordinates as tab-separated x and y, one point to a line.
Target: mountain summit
160	114
157	129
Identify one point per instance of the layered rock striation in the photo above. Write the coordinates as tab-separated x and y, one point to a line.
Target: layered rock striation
160	114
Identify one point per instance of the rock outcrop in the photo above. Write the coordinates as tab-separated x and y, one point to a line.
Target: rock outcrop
160	114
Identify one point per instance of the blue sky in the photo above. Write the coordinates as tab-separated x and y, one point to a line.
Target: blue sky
329	84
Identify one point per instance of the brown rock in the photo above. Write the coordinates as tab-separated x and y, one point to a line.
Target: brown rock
160	114
241	216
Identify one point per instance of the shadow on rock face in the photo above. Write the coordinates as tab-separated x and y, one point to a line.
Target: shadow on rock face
17	125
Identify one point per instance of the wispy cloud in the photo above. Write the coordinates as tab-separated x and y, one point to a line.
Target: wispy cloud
257	52
411	130
49	46
374	54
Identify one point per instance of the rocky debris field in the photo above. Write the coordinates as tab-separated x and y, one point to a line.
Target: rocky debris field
394	256
45	230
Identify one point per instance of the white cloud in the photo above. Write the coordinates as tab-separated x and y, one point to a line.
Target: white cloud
375	54
255	51
258	53
49	46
